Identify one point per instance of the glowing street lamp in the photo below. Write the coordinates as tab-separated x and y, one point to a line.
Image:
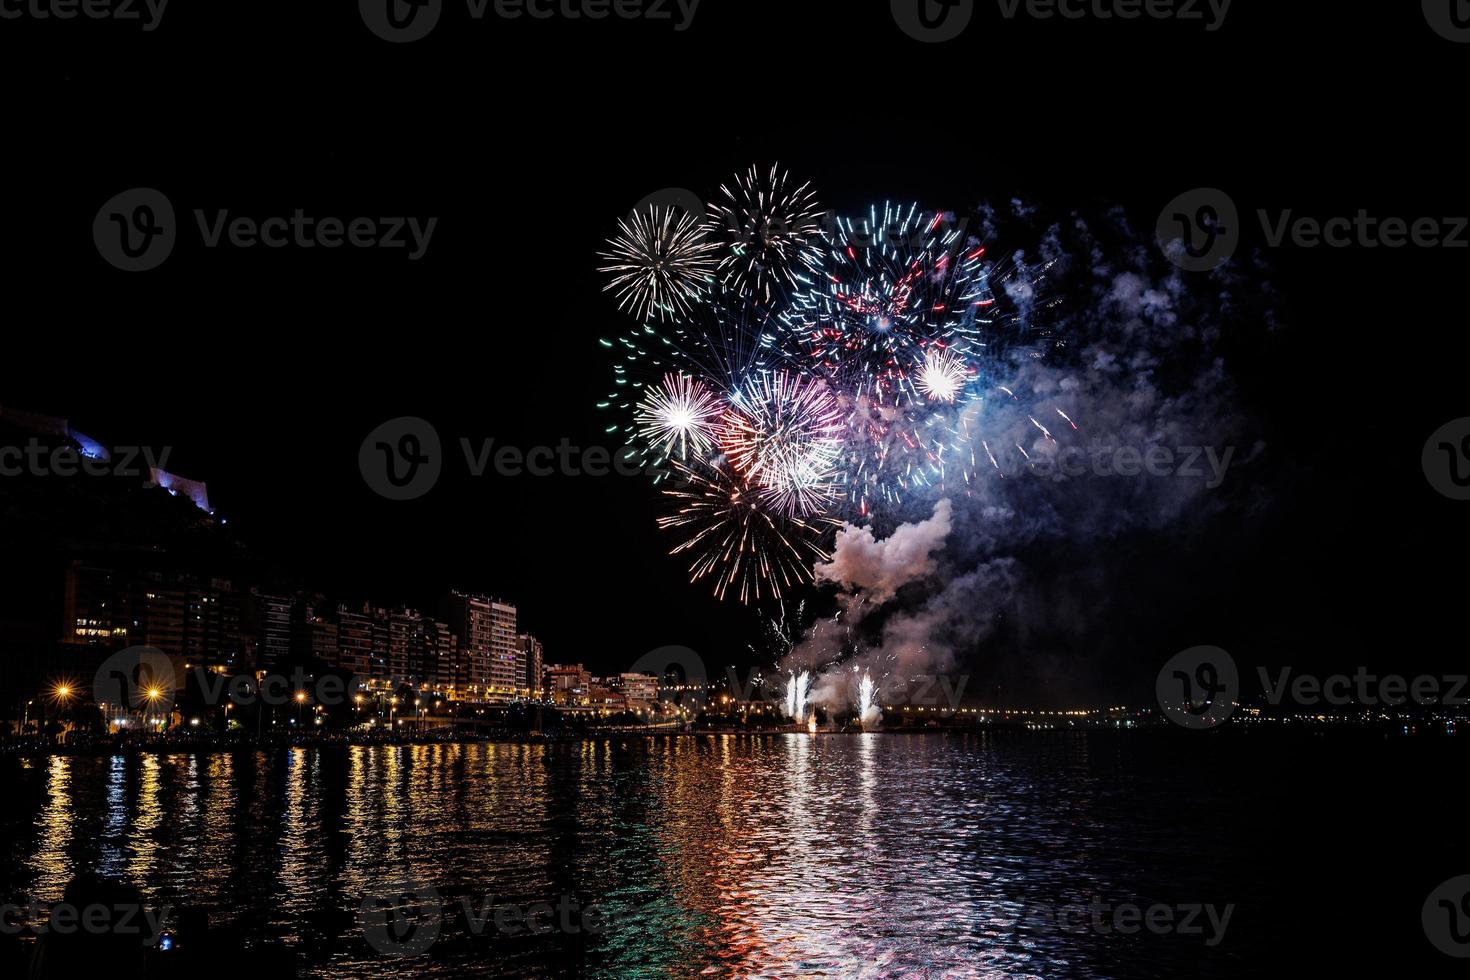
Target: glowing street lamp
153	695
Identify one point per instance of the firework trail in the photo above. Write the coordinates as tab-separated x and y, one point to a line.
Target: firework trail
867	703
798	693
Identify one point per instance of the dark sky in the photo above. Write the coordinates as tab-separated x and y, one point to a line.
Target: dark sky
264	370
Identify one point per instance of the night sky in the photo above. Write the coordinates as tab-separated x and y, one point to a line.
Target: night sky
265	369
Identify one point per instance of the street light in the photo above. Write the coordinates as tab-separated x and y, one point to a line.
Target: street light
61	694
153	695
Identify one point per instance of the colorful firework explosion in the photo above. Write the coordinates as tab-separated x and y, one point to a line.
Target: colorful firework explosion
784	434
798	373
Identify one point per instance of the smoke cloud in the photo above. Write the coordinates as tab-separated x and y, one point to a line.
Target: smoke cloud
1118	438
861	562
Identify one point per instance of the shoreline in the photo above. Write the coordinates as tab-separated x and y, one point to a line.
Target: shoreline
165	746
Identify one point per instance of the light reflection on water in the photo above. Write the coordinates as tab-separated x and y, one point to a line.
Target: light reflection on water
780	856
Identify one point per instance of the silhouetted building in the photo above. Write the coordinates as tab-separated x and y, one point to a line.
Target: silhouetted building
471	620
533	654
355	639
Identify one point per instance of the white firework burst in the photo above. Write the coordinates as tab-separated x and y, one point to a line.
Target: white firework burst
661	260
770	232
784	434
942	377
678	415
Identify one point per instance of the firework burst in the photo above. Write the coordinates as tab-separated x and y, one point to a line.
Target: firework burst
897	285
678	415
734	540
770	233
661	262
798	372
784	434
942	377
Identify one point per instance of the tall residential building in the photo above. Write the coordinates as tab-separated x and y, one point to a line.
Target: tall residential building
442	656
313	635
534	656
158	613
470	619
507	655
202	620
355	639
89	605
215	633
382	629
490	655
405	643
271	617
